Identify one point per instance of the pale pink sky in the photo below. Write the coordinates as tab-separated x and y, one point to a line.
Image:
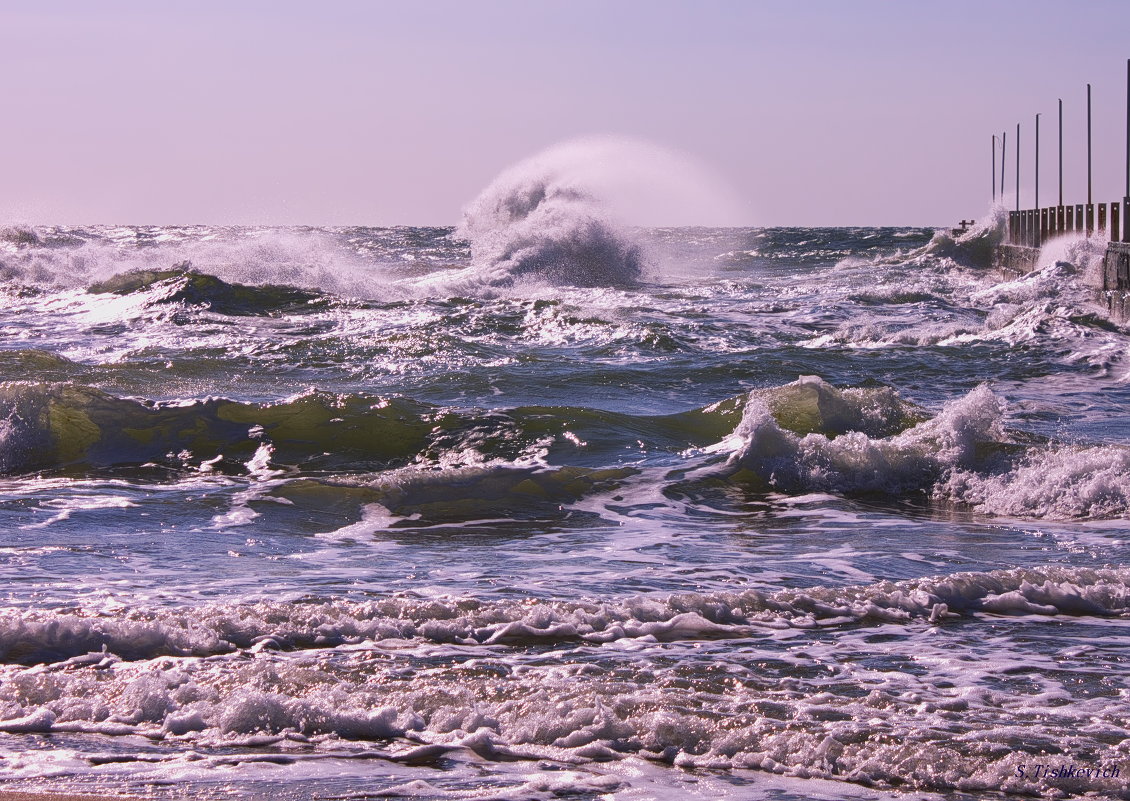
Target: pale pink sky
380	113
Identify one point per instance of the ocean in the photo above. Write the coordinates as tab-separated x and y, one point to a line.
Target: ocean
540	506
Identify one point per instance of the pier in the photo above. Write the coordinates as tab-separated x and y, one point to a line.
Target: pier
1029	229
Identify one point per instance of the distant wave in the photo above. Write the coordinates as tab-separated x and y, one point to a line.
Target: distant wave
182	284
70	258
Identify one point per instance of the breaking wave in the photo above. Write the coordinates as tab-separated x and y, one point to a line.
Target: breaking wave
810	436
975	247
446	463
546	218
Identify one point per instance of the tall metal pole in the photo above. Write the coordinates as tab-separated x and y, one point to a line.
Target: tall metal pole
994	174
1018	166
1004	153
1037	161
1126	197
1061	149
1088	144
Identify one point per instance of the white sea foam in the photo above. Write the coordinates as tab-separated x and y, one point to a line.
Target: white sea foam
46	636
65	507
1059	483
747	688
1052	306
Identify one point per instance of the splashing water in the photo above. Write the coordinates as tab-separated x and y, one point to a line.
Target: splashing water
561	216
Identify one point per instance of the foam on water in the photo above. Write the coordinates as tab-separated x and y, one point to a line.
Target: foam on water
756	684
49	637
1053	306
1061	482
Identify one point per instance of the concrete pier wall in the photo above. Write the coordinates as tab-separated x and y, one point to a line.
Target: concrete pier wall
1015	259
1116	279
1113	288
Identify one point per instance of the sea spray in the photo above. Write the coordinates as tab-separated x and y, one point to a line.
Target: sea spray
562	216
974	247
545	217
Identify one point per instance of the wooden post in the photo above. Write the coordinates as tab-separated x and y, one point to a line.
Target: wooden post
1114	229
1078	216
1060	218
1090	218
1044	226
1102	217
1069	219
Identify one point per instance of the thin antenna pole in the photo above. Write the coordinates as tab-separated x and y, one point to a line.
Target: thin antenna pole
994	174
1037	161
1018	166
1061	146
1088	144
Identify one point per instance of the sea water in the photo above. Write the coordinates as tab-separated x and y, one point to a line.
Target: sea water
541	506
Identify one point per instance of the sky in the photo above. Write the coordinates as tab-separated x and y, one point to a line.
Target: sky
366	112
